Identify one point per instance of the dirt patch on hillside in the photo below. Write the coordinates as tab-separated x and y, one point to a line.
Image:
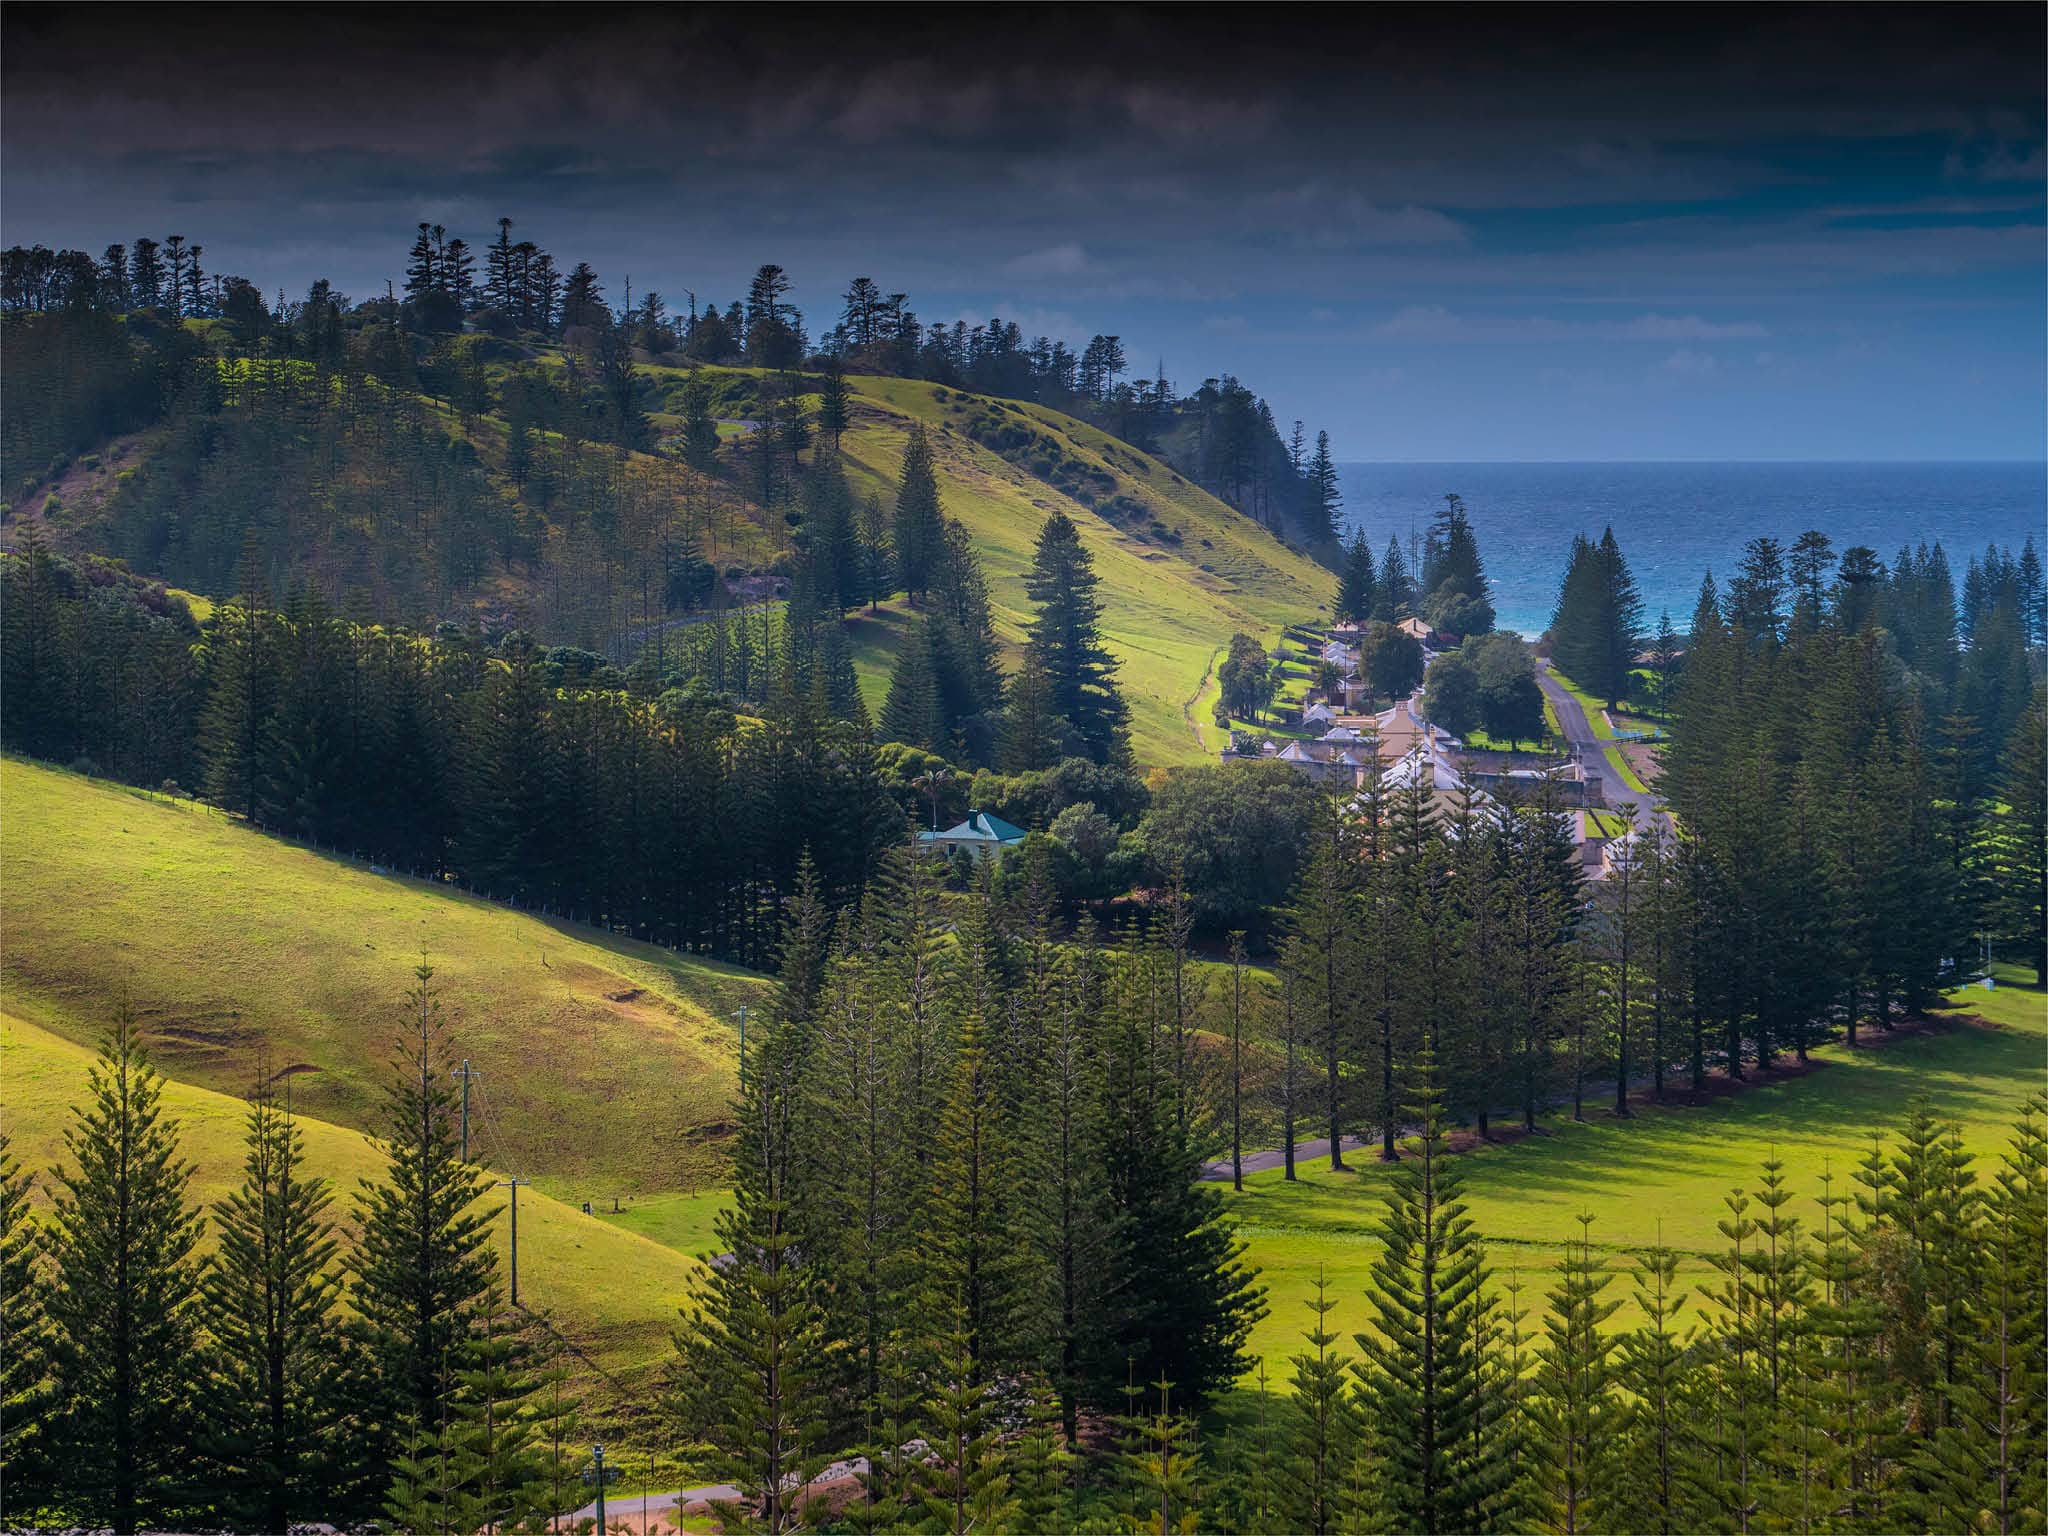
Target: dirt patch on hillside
179	1033
592	986
81	488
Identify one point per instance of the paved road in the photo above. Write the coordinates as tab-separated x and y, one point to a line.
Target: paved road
1276	1157
1578	730
625	1504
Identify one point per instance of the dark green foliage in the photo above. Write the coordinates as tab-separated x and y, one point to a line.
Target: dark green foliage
1033	735
700	431
25	1397
1065	635
279	1395
1323	1434
1456	596
546	778
920	529
1437	1431
1319	515
1453	697
1391	662
1185	1304
2019	836
1596	628
1820	875
750	1391
250	465
1236	834
1510	700
1357	583
834	403
75	379
124	1310
1248	677
1575	1409
913	712
423	1264
1395	598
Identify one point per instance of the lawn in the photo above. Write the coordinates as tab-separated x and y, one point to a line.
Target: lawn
606	1064
613	1292
1625	770
1479	741
679	1221
1661	1175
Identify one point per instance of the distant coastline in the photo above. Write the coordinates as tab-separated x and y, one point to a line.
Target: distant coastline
1678	518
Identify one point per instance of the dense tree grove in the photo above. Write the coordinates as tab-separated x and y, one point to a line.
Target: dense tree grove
1596	629
537	777
968	1238
1796	1390
1841	766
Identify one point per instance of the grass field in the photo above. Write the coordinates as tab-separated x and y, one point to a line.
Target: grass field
1661	1175
607	1064
610	1291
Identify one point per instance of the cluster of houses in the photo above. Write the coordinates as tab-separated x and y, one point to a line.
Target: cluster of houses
1405	749
1344	648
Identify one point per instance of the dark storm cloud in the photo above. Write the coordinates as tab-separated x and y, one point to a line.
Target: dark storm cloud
1220	171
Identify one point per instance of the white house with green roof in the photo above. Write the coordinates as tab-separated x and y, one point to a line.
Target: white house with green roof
980	834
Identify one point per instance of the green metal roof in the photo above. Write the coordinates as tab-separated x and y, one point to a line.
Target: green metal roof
978	825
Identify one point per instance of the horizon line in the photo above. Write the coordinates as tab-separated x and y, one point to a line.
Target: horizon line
2039	463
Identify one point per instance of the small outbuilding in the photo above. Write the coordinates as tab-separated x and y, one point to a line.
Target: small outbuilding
980	834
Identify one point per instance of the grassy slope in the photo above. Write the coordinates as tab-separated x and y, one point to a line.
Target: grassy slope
1664	1174
607	1064
613	1293
1165	617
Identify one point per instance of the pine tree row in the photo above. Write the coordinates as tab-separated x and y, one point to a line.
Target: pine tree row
276	1375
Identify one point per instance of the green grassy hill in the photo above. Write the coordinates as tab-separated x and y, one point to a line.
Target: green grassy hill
1181	572
607	1065
612	1293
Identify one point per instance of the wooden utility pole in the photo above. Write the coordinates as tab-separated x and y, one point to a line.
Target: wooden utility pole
465	1073
740	1013
513	1184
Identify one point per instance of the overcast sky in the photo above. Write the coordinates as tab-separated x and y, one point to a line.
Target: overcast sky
1443	233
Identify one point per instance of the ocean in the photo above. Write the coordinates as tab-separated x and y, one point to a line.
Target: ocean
1678	520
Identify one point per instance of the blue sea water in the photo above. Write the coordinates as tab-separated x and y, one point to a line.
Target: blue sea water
1677	520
